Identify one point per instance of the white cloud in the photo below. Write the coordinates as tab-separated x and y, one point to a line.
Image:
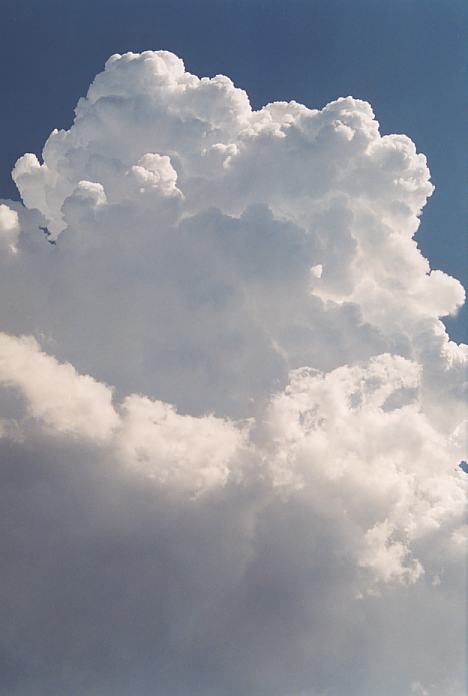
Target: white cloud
56	395
272	479
9	228
191	452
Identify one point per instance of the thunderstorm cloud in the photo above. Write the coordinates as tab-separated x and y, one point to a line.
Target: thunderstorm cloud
231	416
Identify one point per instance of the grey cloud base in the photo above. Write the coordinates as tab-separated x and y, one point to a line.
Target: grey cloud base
267	499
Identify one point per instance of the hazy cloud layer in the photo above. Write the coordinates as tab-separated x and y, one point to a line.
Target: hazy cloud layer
231	418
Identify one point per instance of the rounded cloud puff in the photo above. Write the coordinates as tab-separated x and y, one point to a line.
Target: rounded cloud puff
9	227
267	501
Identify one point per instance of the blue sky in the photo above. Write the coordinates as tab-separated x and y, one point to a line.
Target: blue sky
405	56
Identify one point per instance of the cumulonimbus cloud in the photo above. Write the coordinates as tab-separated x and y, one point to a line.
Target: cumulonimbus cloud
266	500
